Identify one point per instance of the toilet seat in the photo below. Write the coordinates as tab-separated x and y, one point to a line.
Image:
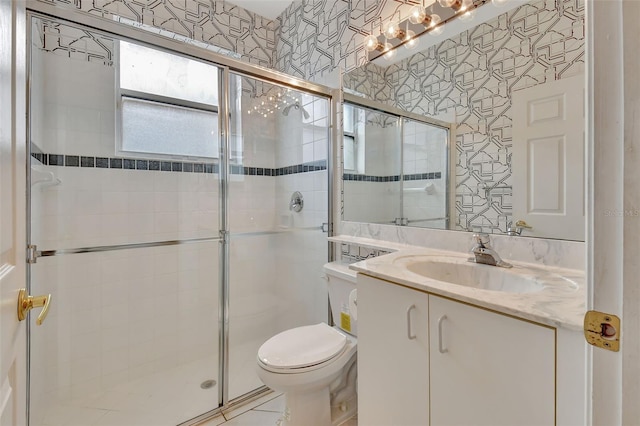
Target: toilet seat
302	347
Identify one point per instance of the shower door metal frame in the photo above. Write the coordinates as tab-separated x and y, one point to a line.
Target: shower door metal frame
226	65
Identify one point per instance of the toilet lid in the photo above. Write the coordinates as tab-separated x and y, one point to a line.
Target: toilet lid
302	346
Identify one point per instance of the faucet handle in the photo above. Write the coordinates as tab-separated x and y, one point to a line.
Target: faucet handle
481	238
522	224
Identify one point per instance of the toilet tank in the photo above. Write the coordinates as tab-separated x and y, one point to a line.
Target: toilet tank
341	283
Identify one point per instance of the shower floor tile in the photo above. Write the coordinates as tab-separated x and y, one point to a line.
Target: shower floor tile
165	398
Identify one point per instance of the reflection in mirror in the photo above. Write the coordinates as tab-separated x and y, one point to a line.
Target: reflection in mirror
395	168
517	157
371	165
425	170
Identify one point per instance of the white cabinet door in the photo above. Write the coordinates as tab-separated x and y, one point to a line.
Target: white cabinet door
393	354
489	369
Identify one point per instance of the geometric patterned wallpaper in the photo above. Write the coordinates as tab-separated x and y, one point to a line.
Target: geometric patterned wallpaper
76	44
471	76
217	23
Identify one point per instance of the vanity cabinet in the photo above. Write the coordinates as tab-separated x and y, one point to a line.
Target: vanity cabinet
393	354
427	360
488	368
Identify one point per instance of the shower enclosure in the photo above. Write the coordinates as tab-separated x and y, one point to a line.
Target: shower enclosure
160	222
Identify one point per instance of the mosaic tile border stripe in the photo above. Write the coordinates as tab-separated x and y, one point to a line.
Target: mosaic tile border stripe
395	178
170	166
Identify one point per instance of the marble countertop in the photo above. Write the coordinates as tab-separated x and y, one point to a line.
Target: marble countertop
560	302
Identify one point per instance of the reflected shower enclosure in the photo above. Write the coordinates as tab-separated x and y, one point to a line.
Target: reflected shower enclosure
396	167
168	246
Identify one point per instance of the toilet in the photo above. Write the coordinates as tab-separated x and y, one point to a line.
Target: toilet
315	365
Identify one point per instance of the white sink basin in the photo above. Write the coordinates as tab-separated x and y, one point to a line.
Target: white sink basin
484	277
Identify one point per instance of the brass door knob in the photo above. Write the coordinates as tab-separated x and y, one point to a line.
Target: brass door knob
26	303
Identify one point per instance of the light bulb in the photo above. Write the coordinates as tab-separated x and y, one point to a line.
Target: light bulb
454	4
393	30
468	15
388	52
371	43
434	28
417	15
410	40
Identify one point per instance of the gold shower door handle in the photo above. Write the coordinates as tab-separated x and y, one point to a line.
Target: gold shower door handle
26	303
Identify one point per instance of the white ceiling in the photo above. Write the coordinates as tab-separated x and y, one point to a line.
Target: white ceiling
268	8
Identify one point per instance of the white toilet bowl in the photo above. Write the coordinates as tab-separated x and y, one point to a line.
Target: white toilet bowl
315	366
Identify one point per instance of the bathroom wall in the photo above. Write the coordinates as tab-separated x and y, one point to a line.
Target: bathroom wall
303	248
218	23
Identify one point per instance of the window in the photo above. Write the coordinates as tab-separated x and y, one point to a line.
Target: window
349	139
168	104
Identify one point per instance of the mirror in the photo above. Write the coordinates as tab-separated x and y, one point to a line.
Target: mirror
511	87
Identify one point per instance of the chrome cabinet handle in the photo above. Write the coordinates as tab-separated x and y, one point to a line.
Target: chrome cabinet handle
441	349
410	334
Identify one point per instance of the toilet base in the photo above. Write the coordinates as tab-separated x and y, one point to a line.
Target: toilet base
314	409
309	408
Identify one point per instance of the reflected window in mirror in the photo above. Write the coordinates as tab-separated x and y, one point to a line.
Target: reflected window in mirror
349	140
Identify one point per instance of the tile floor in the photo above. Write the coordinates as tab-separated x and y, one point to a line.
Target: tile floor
263	412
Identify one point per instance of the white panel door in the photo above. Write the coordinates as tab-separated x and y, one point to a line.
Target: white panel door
13	390
489	369
393	354
548	158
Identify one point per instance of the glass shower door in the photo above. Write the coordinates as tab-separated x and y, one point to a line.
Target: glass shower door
125	226
278	203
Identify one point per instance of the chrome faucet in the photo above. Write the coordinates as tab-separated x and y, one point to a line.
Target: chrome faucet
484	253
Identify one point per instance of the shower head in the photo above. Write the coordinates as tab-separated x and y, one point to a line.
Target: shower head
285	110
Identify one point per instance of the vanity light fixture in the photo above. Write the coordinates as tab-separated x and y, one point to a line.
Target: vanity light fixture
421	20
